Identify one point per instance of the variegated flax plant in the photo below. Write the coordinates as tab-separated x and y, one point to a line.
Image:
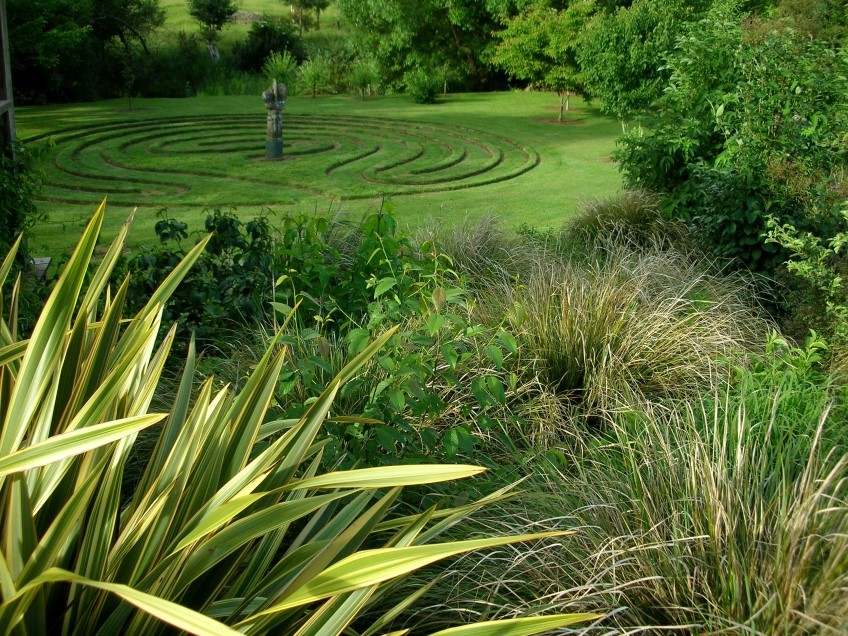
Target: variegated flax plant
221	535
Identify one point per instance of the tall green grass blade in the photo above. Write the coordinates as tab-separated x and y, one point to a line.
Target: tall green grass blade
389	476
161	295
370	567
101	276
337	613
58	537
66	445
519	626
9	260
13	352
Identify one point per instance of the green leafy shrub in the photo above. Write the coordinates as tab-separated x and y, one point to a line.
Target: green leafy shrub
230	526
821	263
20	182
315	73
229	284
282	67
423	86
363	75
751	127
266	35
177	68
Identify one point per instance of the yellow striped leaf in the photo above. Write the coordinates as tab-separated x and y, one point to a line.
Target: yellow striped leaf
518	626
389	476
370	567
67	445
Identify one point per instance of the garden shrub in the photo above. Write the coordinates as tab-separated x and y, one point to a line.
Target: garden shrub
283	68
363	76
726	513
177	68
228	286
422	85
751	127
20	182
267	34
634	217
315	73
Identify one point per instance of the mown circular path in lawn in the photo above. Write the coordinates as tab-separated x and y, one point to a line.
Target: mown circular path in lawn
210	160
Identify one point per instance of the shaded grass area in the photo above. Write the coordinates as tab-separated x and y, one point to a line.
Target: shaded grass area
471	155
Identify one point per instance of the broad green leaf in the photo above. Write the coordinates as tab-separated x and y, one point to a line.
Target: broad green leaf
383	286
370	567
518	626
357	340
389	476
67	445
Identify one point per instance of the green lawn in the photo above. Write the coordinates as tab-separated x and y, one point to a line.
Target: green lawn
498	154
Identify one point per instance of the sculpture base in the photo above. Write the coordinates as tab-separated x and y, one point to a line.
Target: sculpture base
274	149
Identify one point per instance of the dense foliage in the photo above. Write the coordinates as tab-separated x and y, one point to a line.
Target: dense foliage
75	50
230	523
748	146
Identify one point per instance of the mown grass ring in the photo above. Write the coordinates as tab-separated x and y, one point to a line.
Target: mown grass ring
218	160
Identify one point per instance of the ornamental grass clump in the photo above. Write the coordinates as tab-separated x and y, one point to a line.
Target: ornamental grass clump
232	527
728	515
627	326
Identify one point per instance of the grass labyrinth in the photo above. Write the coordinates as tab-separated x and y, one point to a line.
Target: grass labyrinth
472	155
190	161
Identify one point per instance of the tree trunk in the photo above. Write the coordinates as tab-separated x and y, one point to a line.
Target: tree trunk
300	21
567	99
561	105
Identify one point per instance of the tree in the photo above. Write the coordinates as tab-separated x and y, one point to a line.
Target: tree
540	46
622	53
65	49
126	20
315	73
403	35
213	15
309	5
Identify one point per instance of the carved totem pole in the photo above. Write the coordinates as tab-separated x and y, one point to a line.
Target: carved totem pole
275	102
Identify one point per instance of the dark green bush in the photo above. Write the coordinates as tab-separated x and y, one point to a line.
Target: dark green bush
20	181
266	35
752	127
177	69
228	286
